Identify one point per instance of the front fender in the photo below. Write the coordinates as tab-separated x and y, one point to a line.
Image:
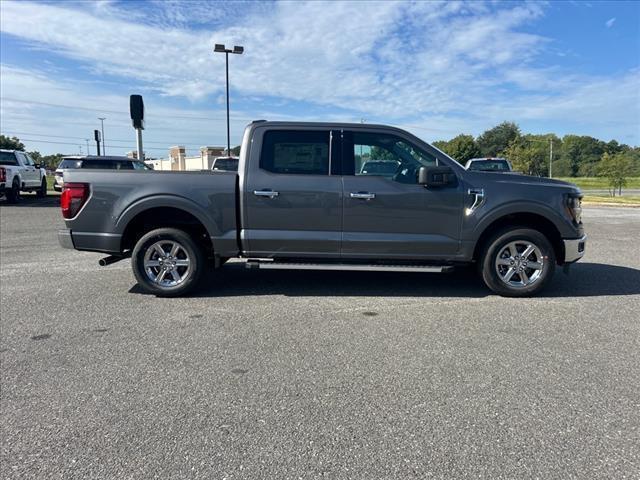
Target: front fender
549	212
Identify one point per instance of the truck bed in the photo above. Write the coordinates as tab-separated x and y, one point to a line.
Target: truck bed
117	196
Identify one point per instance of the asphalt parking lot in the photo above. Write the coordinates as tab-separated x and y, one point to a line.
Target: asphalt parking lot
273	374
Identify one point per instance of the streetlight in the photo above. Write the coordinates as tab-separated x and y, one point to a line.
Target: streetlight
104	145
220	48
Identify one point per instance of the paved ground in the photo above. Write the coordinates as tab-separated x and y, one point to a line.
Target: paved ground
303	375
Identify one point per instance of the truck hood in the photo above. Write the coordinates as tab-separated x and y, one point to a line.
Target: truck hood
520	179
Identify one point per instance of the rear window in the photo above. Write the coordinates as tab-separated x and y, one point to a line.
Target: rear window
8	158
490	165
226	164
295	152
98	164
70	164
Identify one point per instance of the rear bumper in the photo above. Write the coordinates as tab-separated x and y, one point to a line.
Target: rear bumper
574	249
90	241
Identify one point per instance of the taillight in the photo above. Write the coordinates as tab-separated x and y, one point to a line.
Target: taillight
3	174
74	196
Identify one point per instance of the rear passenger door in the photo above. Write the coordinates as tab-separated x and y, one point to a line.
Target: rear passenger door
292	198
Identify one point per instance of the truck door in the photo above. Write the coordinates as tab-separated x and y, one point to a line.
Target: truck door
386	213
30	175
292	201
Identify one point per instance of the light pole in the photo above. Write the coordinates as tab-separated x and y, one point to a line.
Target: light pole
87	140
220	48
104	144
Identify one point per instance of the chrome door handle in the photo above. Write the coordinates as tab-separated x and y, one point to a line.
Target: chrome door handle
363	195
266	193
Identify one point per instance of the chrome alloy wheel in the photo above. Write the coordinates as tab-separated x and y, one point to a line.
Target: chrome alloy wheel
519	264
167	263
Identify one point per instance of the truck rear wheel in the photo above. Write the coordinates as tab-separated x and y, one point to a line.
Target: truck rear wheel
518	262
167	262
13	195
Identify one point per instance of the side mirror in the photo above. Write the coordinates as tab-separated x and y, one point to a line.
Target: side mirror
37	165
432	177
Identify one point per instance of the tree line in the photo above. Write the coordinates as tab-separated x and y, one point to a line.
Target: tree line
573	155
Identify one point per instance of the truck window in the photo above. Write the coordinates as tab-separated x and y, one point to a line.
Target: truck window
386	155
295	152
8	158
100	164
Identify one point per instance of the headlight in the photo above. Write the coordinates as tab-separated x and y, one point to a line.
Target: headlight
573	202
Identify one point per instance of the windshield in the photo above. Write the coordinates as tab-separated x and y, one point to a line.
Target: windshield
490	165
70	164
8	158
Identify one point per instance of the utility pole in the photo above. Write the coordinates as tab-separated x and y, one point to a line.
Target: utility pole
87	140
104	148
220	48
550	155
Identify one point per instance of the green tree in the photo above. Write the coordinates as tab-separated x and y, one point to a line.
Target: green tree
529	154
35	155
12	143
235	151
616	167
461	148
582	153
52	161
496	140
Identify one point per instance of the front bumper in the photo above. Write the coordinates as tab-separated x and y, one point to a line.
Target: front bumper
574	249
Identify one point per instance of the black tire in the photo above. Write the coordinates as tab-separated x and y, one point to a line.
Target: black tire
190	251
13	195
497	263
42	191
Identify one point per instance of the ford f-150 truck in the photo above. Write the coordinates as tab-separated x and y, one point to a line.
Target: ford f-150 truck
19	173
301	200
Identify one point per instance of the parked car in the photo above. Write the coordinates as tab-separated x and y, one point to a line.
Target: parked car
489	165
96	162
298	202
228	164
19	173
380	167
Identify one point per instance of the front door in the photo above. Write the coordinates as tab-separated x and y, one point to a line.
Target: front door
30	175
292	201
386	213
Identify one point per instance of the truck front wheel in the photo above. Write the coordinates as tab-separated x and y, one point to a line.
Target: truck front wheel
167	262
518	262
42	191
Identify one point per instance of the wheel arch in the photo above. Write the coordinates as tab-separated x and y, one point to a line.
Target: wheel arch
515	220
144	217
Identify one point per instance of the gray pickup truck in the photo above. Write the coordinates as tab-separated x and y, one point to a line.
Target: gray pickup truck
301	200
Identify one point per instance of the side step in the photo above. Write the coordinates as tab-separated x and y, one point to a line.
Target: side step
271	265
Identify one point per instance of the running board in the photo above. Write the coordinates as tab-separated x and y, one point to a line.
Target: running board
270	265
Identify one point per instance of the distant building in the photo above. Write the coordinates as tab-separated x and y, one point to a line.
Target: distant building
178	159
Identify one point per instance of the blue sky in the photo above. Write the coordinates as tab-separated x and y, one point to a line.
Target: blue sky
434	68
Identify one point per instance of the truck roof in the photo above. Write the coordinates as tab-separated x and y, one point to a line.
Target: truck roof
281	123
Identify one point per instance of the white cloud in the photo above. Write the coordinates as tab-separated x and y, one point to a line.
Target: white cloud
609	23
448	66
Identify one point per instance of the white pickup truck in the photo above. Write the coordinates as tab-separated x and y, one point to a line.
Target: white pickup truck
19	173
